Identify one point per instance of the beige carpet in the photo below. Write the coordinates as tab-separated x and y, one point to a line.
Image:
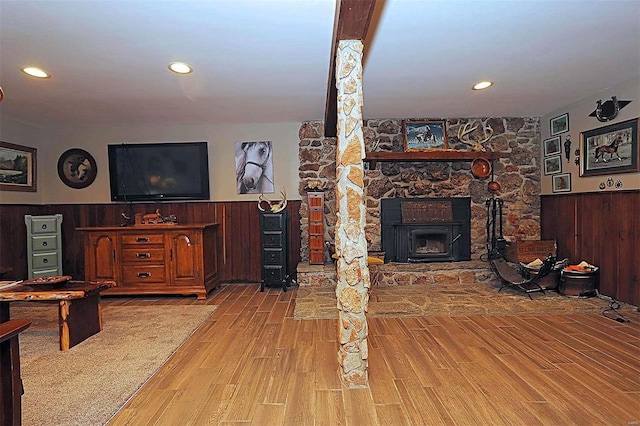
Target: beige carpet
89	383
449	300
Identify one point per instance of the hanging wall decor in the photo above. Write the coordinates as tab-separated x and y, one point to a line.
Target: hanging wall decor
424	135
551	146
77	168
19	167
567	147
610	149
559	124
608	110
254	167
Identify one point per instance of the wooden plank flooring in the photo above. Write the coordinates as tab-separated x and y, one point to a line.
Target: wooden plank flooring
252	363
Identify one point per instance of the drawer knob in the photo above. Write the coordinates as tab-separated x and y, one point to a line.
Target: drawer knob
144	274
44	244
142	239
143	255
45	260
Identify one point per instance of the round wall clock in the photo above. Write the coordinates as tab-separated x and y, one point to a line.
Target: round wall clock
77	168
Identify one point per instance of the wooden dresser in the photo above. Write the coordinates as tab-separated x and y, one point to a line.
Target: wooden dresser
153	259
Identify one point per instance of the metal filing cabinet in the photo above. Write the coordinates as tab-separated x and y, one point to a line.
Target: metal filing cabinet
44	245
274	249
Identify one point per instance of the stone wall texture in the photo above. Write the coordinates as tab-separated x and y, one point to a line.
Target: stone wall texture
518	176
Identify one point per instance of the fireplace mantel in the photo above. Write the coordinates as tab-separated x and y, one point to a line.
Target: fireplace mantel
441	155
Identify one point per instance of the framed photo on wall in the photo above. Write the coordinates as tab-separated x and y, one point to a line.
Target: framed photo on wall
561	182
559	124
553	165
552	146
424	135
18	171
610	149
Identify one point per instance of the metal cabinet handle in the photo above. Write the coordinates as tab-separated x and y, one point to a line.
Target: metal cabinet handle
142	239
143	255
144	274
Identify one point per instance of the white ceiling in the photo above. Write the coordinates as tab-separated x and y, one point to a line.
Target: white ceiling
259	61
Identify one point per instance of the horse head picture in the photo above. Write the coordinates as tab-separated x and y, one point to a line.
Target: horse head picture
254	167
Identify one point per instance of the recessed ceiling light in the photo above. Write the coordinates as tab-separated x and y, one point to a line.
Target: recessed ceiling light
482	85
180	68
35	72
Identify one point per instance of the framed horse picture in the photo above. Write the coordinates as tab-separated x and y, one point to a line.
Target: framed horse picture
424	135
610	149
254	167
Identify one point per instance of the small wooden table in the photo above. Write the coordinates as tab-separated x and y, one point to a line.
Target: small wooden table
79	314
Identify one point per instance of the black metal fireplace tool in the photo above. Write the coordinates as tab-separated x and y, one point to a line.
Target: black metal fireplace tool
496	243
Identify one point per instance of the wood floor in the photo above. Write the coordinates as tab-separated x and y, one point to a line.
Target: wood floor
252	363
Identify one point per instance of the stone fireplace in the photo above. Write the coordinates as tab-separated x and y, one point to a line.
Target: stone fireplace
416	230
518	175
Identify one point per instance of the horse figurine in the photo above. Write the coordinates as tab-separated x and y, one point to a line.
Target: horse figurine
611	149
254	168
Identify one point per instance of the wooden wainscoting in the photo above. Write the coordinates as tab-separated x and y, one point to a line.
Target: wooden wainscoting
603	229
238	239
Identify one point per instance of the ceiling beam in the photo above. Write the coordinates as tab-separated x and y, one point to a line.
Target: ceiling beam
351	22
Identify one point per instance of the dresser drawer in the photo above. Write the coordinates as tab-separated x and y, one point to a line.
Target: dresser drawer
44	260
44	225
273	273
273	256
272	239
143	274
48	272
44	242
139	239
143	255
273	222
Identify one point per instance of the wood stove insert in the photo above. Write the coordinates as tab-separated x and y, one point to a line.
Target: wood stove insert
426	229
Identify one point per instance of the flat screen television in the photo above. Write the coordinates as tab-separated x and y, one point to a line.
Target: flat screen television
159	171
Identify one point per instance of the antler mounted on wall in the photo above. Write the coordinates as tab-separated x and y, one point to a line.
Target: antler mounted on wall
265	205
465	131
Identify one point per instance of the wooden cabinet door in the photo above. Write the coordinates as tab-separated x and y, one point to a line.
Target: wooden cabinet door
101	254
185	257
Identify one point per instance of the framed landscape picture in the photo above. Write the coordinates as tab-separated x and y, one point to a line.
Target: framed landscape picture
553	165
559	124
424	135
17	167
610	149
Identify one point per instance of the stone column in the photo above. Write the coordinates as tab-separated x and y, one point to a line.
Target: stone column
351	244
